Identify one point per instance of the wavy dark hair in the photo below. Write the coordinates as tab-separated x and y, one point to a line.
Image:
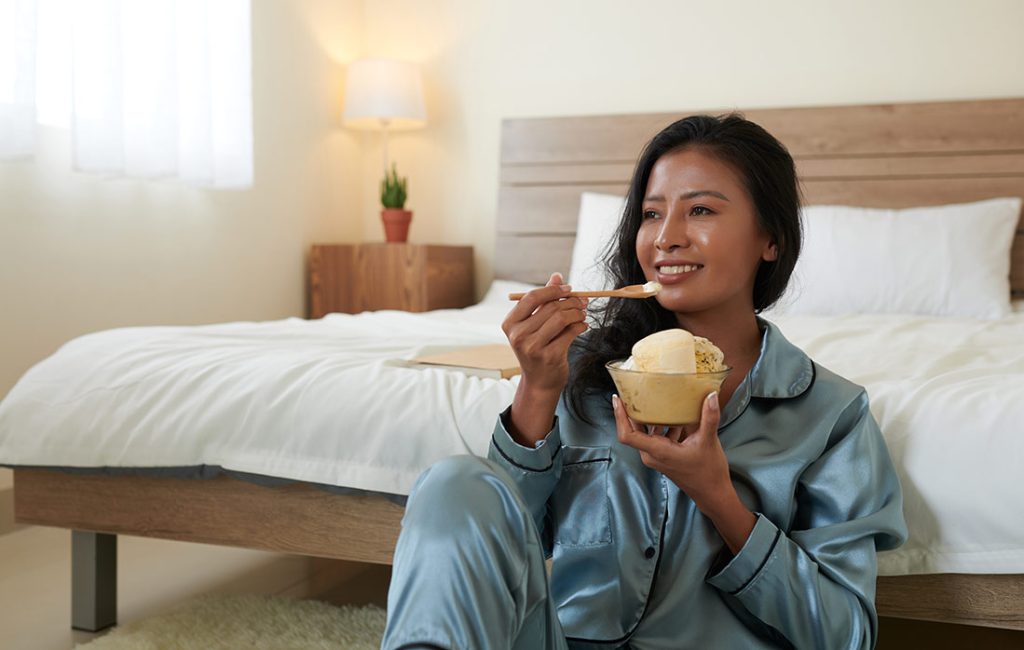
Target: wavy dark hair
769	176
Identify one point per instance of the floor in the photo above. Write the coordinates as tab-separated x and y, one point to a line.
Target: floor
153	575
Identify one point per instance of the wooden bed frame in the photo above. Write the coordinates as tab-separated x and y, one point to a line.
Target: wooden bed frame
885	155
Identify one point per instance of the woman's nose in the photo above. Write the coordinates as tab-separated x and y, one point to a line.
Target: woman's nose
672	233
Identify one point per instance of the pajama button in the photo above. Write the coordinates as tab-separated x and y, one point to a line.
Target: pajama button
649	553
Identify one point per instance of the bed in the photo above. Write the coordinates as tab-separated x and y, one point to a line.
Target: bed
315	459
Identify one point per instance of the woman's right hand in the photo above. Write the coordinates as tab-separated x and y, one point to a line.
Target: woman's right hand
540	328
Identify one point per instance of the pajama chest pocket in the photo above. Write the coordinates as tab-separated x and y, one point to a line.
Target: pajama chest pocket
580	507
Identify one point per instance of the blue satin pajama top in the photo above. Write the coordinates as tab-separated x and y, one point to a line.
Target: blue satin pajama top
636	564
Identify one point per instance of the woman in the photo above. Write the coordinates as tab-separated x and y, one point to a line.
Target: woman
758	528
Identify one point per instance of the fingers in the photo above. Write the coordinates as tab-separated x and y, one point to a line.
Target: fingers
632	423
675	433
537	306
543	315
550	322
623	425
564	314
710	416
535	299
628	433
563	340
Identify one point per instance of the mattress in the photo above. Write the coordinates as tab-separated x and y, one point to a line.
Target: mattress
335	402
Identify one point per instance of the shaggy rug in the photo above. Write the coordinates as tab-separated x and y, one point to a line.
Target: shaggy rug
257	622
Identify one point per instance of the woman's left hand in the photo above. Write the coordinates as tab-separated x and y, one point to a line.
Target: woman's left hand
692	458
695	461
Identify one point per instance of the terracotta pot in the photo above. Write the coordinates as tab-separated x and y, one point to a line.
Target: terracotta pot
396	224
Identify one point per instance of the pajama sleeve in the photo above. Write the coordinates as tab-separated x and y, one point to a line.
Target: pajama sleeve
534	470
815	584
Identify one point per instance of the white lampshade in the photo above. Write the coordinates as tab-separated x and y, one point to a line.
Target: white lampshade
383	93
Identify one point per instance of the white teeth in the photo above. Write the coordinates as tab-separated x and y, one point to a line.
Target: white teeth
685	268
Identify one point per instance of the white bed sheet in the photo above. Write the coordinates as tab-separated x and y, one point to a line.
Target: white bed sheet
331	402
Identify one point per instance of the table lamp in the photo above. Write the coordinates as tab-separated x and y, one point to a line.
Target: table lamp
385	95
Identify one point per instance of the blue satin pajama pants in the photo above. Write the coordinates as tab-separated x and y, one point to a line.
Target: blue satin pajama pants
469	566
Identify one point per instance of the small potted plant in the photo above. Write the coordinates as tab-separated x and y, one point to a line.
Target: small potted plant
394	215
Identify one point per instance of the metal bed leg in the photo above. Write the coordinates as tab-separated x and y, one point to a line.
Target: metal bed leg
93	580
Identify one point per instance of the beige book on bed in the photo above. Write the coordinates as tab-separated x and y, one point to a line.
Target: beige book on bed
497	361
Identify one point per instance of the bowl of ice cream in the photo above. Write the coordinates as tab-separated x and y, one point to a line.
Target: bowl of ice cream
668	376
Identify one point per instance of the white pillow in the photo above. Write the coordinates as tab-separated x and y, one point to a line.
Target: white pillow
950	260
595	228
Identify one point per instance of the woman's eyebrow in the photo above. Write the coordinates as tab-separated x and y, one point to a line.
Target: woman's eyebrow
658	198
698	193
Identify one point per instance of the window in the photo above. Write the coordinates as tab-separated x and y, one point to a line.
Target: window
148	88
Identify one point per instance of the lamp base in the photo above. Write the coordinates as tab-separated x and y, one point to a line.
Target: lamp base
396	224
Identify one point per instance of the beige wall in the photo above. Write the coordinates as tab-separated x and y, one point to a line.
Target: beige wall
512	58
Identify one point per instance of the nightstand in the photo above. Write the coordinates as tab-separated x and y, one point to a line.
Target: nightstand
352	278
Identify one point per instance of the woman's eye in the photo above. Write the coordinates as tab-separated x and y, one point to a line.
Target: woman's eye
650	214
700	210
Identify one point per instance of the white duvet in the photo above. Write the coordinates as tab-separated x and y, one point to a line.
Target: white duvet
949	397
332	401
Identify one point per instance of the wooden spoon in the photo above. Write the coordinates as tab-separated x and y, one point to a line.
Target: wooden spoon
632	291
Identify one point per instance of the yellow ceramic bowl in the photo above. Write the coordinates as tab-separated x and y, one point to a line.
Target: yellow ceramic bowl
664	398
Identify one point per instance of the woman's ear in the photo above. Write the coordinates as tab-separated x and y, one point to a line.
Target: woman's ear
771	252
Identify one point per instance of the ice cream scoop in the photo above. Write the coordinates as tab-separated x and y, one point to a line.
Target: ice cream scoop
675	350
707	355
671	350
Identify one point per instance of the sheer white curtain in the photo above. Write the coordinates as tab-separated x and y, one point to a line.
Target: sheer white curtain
17	77
149	88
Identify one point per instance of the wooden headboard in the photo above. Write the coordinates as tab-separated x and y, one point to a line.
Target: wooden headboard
887	155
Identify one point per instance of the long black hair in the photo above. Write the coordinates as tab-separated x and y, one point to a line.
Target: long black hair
769	176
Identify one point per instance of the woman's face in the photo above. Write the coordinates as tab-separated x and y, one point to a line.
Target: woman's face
699	236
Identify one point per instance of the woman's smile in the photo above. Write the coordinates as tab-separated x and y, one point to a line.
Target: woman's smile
672	272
